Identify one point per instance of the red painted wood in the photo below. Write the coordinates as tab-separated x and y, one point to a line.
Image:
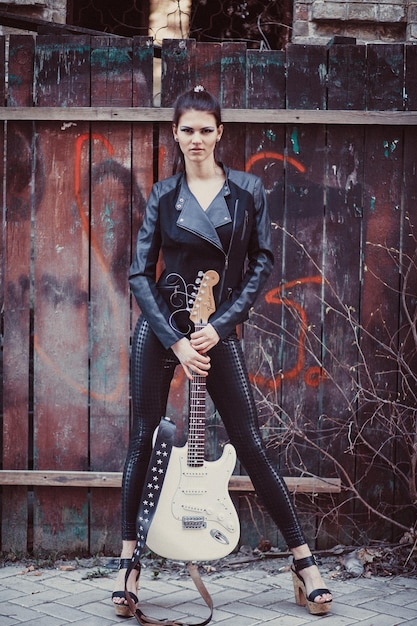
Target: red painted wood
61	293
177	69
405	484
207	67
115	198
16	254
380	302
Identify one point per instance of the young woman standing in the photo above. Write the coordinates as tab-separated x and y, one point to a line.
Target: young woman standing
206	217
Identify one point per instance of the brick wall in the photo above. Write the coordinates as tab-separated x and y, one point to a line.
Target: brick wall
317	21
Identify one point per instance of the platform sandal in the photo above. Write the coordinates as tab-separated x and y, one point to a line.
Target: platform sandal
301	598
122	609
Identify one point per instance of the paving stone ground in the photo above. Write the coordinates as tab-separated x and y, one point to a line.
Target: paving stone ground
243	595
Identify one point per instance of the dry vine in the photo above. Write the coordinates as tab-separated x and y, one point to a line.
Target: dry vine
371	440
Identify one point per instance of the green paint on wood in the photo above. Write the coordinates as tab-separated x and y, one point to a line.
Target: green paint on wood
110	57
294	141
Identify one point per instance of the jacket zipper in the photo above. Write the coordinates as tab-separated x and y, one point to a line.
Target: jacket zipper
226	257
245	225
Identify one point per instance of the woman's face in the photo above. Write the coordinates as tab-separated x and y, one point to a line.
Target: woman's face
197	134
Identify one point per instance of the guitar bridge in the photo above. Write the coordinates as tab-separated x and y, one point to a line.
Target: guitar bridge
193	522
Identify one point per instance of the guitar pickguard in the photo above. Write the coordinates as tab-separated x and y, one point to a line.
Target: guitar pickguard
195	518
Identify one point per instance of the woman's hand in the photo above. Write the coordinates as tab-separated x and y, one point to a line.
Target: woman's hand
205	339
191	360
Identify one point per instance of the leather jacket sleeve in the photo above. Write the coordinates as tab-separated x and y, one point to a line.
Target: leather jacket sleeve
235	310
142	277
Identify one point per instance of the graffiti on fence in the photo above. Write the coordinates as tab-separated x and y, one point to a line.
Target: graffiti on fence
115	284
112	274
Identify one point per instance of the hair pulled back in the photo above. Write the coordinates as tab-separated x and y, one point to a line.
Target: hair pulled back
197	99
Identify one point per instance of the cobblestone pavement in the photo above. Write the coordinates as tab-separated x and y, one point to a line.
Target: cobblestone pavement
79	594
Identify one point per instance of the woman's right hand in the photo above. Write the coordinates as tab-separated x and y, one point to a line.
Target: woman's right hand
192	361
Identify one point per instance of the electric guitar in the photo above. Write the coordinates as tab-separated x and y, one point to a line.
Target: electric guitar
195	518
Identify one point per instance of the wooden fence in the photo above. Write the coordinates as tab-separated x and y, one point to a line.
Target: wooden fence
332	133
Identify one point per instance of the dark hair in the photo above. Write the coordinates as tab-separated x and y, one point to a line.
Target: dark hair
198	99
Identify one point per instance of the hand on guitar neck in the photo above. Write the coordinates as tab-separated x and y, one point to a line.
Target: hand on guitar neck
191	360
191	353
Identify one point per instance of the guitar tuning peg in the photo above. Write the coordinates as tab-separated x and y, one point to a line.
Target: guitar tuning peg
200	273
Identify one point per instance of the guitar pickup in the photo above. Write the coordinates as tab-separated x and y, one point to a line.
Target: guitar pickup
193	522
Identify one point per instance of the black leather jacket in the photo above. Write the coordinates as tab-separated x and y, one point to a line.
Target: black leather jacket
190	244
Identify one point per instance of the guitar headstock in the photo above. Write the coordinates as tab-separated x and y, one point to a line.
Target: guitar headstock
204	304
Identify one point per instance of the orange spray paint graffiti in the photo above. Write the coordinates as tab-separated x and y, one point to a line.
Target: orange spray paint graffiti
123	357
274	156
313	375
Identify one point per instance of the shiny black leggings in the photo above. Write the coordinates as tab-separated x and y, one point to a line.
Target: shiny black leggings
229	388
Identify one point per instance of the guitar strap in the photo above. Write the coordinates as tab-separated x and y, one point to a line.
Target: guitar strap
155	475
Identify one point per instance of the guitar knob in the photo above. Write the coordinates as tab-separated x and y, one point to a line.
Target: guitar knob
209	511
220	517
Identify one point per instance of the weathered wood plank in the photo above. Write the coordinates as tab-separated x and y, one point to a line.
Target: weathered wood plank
16	254
61	295
142	72
265	79
406	481
341	287
302	484
301	285
385	77
346	80
233	70
110	254
232	116
306	76
207	67
380	315
410	83
380	299
231	149
264	157
177	69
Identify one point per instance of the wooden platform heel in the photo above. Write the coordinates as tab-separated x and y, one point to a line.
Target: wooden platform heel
122	609
301	598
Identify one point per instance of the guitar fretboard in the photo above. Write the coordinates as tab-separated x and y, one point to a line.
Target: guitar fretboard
197	419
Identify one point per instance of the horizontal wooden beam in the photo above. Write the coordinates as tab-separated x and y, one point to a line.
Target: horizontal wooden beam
239	116
50	478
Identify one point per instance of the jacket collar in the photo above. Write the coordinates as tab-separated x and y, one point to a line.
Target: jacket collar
203	223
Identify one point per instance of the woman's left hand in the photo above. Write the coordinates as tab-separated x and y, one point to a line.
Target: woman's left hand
205	339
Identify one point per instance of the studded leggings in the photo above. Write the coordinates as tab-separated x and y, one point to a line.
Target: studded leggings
229	388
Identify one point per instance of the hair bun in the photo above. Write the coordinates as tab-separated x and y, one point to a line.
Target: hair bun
198	88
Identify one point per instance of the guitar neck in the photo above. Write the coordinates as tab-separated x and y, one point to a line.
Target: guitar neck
197	419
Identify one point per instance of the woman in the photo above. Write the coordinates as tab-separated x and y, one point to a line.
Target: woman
207	217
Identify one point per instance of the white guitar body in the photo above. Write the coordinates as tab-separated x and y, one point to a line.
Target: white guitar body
195	518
